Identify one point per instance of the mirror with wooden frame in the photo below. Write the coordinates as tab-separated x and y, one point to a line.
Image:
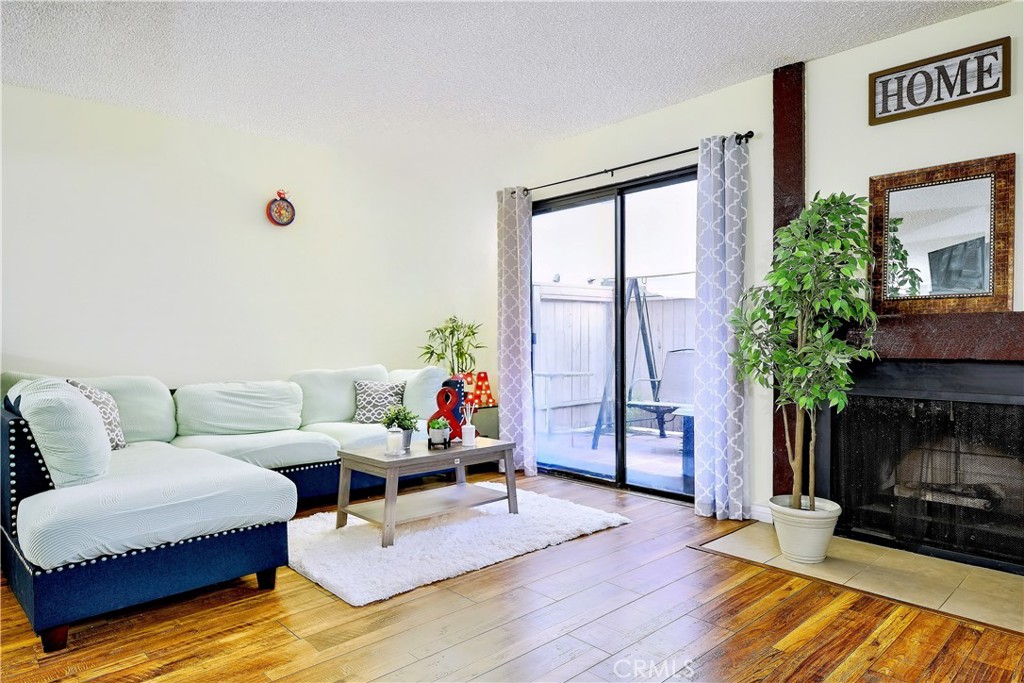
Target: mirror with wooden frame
943	238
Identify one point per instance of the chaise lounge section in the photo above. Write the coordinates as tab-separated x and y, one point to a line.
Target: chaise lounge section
160	521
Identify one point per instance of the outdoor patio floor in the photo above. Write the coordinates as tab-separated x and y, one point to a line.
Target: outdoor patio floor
651	461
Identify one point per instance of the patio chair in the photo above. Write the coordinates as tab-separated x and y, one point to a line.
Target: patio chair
672	393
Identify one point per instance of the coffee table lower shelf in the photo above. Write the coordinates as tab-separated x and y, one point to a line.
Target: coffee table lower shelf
410	507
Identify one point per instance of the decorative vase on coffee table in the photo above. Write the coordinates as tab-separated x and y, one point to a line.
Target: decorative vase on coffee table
438	437
468	435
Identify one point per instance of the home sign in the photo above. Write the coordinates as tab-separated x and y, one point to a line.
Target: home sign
955	79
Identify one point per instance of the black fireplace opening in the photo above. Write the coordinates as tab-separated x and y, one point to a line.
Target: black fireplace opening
929	457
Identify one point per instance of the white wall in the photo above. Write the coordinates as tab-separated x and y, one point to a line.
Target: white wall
134	243
842	150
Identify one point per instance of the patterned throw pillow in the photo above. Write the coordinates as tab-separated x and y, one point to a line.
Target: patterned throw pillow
108	411
374	398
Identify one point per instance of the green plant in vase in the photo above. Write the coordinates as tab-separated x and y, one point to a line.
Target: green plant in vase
401	417
792	334
438	432
453	344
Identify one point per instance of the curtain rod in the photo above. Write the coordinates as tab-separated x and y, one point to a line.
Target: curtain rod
740	137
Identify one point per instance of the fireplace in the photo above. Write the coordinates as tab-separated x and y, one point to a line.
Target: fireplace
929	457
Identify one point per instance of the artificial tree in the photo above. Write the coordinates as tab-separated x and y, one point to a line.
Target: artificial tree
792	331
453	343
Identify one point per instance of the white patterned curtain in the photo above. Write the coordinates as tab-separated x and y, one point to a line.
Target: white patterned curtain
720	476
515	367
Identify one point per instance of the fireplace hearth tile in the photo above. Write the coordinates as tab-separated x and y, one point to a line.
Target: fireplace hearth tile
1005	612
832	569
846	558
926	569
756	543
1002	585
984	595
904	584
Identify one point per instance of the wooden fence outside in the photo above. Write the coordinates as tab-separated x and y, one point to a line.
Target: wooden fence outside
572	356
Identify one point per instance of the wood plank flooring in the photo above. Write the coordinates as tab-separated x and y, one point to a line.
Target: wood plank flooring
634	603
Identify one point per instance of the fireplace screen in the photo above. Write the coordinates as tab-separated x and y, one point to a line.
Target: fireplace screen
944	474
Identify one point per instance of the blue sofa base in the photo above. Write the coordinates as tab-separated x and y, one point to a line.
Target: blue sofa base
53	598
320	480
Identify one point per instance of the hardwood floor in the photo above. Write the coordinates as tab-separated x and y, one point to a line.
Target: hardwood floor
634	603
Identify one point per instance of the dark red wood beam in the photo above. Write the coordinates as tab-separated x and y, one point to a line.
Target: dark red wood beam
790	159
789	178
952	336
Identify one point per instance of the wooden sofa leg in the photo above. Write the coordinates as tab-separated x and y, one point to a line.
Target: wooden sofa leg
267	578
55	638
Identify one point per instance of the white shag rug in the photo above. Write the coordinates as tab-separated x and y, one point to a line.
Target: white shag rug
351	563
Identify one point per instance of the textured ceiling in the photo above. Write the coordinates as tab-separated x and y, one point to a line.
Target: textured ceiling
387	73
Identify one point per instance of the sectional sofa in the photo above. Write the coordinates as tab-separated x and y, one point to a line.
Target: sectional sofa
201	493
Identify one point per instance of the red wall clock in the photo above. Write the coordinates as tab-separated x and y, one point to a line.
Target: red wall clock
280	211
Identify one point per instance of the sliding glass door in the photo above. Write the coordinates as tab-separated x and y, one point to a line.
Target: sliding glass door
574	337
613	314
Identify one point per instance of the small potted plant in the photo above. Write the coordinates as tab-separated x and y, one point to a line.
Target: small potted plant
439	433
453	343
403	418
792	338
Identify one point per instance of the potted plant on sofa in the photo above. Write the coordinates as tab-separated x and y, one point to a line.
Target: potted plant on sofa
791	335
403	418
453	343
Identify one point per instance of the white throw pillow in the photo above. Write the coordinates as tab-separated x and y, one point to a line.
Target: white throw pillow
68	429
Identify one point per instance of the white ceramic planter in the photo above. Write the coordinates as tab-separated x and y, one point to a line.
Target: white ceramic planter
438	436
804	535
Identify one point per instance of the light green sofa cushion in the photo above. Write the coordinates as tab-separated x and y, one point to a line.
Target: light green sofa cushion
330	395
421	387
68	429
154	493
145	404
238	407
351	435
271	449
8	379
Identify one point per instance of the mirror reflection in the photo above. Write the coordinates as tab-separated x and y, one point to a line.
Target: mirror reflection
939	239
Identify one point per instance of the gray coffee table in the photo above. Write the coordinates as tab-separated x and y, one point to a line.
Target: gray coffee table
395	509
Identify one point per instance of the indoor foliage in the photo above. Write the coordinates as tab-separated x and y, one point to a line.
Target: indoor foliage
791	331
401	417
453	343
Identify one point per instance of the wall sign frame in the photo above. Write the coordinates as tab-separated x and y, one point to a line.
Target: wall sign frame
970	75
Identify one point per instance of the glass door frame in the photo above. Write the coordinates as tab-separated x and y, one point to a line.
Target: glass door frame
618	192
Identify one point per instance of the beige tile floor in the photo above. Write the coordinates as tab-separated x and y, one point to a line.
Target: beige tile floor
985	595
